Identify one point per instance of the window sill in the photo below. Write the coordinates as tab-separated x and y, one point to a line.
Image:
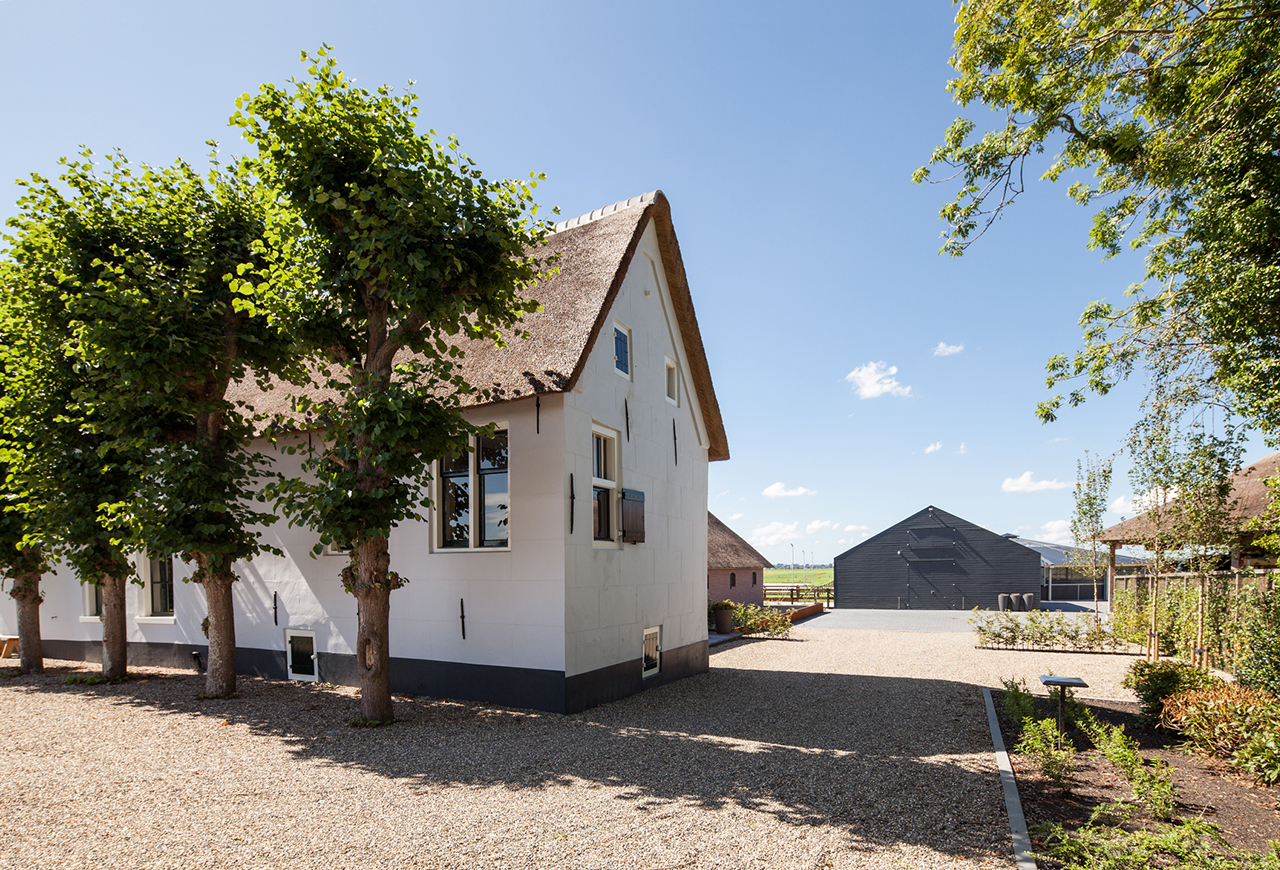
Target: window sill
446	550
605	545
156	620
91	619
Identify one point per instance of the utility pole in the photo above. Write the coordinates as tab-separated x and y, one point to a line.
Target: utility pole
793	564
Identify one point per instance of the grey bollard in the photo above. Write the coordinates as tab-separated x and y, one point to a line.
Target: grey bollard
1005	603
1029	601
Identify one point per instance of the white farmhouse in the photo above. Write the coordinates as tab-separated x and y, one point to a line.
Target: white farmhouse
564	564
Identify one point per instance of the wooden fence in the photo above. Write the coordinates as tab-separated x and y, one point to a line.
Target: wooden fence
798	592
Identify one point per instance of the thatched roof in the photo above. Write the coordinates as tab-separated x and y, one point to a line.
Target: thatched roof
726	549
1250	494
595	252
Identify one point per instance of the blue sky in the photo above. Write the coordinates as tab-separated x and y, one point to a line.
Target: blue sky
784	137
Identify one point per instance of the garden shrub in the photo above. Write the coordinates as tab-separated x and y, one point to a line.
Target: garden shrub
1219	719
1259	667
1017	702
1154	681
1260	754
1149	777
1039	741
1041	629
754	619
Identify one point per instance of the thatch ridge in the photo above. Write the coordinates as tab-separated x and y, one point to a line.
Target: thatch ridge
727	549
595	251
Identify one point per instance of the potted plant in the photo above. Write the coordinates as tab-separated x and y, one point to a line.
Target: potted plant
722	613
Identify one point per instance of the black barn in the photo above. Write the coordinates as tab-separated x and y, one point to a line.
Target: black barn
934	560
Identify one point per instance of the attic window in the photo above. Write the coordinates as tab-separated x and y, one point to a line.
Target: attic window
673	382
622	350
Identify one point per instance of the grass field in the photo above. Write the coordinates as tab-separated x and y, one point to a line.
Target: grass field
813	576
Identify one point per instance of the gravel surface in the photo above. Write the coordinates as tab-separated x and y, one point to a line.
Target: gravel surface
834	749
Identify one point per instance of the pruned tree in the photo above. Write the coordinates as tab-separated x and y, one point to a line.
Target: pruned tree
416	246
22	564
166	292
1093	485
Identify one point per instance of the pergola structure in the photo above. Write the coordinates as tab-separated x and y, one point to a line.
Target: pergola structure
1250	497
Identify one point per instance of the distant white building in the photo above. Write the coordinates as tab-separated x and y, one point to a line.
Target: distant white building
565	562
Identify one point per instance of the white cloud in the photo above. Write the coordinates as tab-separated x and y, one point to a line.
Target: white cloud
876	379
1134	505
722	494
1026	484
934	447
820	525
736	517
1055	532
962	449
778	490
944	349
857	528
774	534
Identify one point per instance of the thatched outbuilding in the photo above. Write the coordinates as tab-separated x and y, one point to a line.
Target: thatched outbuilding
735	569
1250	497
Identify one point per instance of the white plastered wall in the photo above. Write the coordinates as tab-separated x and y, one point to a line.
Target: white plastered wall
514	597
613	595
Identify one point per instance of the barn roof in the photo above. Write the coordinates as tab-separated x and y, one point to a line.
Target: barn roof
726	549
1057	555
595	251
1250	494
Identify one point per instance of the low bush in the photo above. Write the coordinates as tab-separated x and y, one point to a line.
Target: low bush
1259	667
1149	777
1018	704
1039	742
1260	754
1041	629
1219	719
1154	681
754	619
1109	842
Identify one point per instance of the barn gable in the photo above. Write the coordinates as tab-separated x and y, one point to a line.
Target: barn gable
934	560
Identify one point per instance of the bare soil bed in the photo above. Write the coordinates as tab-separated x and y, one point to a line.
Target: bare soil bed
1247	815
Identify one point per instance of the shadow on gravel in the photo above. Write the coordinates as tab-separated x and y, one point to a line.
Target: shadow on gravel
888	760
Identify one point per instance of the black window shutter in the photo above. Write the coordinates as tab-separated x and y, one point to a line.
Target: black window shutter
632	516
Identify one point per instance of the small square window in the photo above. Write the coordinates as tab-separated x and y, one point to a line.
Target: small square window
652	657
622	350
673	382
300	655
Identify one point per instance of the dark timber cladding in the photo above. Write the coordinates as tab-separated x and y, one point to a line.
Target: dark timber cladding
934	560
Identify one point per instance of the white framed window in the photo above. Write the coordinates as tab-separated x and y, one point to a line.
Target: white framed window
622	362
604	486
651	658
92	597
673	382
475	496
300	655
336	550
157	593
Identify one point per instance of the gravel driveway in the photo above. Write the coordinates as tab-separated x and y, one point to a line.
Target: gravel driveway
839	748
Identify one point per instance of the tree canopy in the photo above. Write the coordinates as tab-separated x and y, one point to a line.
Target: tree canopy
416	245
1174	107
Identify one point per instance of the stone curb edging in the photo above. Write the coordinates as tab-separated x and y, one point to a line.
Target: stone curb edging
1012	803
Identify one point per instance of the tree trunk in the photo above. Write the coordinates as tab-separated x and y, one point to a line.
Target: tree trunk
220	673
373	645
26	592
115	644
